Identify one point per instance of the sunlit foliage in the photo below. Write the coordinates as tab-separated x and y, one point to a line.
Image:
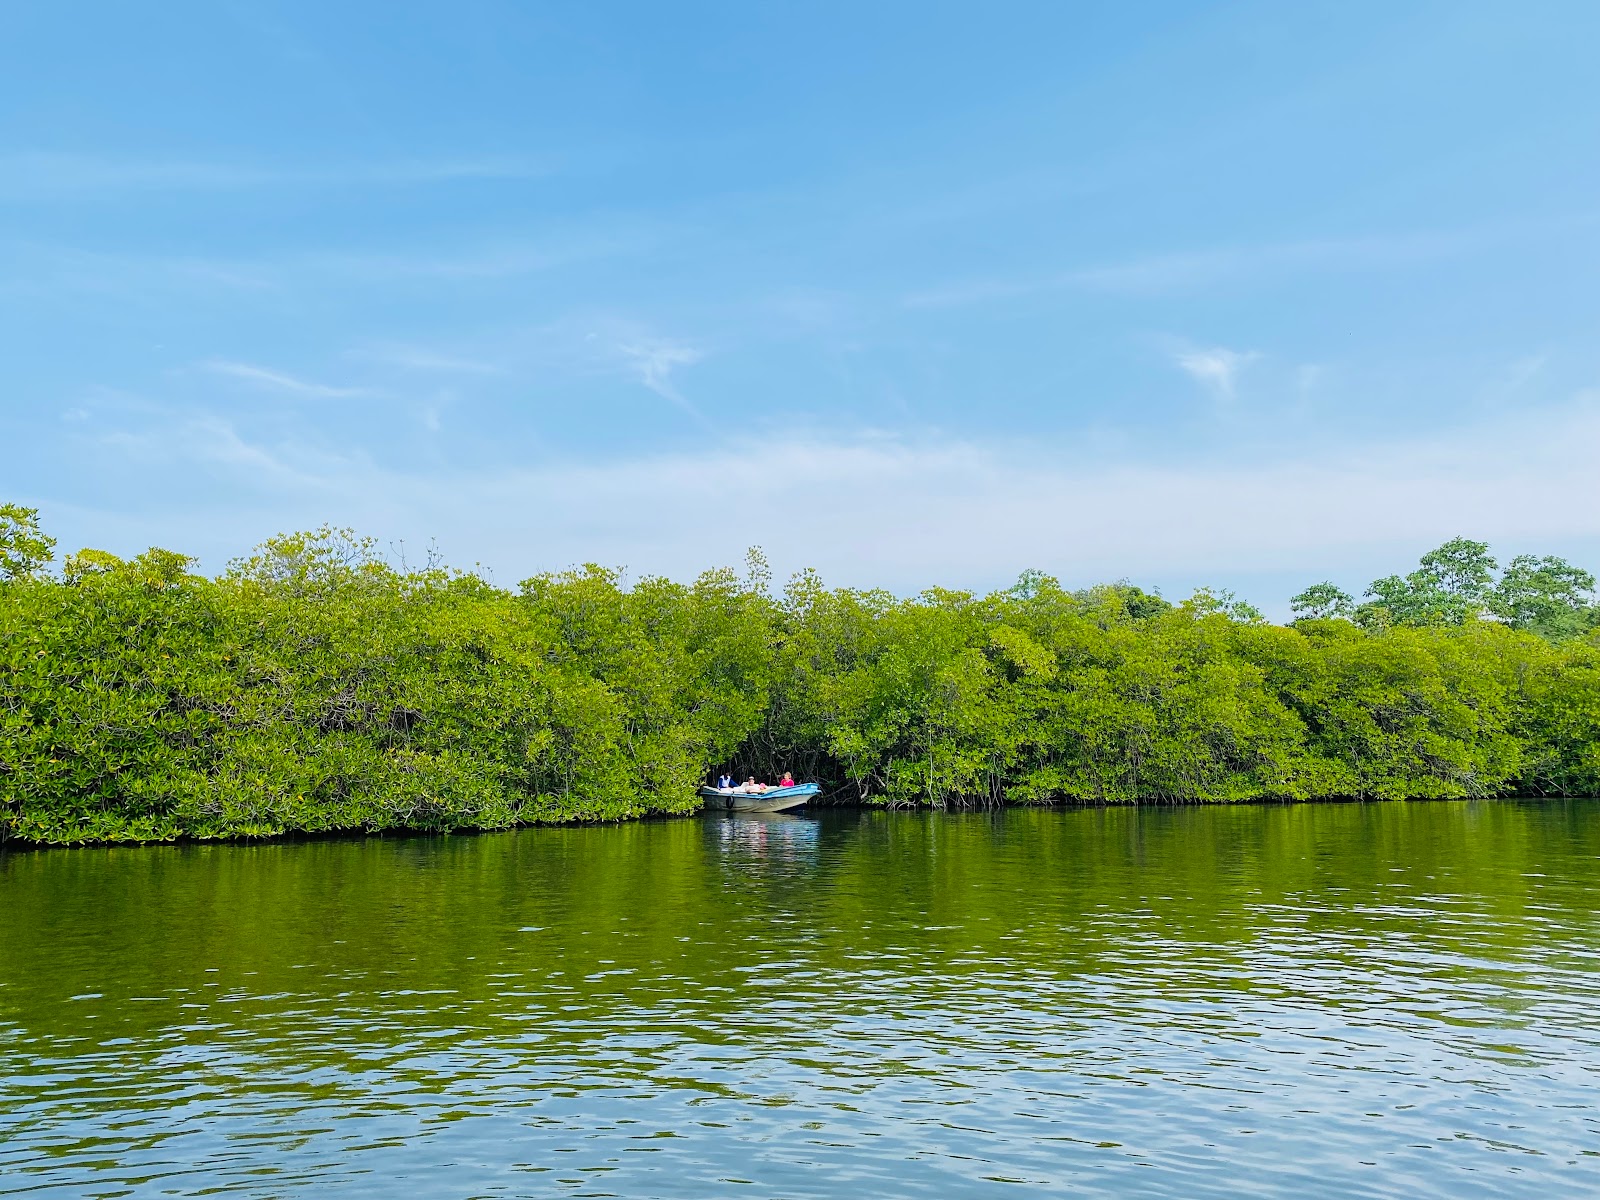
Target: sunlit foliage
316	687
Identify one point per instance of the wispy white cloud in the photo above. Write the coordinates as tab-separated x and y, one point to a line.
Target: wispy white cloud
46	269
614	345
879	510
468	263
967	292
46	174
263	377
423	358
1211	266
654	360
1156	274
215	446
1215	367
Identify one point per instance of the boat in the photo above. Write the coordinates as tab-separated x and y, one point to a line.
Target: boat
774	799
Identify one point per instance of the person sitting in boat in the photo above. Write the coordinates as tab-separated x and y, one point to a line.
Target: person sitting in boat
750	785
787	780
725	783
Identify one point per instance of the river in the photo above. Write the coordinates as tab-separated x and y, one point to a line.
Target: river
1312	1000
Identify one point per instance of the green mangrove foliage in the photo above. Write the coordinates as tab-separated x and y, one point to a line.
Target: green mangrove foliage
316	687
1456	583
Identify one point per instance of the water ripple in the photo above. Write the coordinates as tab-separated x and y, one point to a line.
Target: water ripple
1153	1003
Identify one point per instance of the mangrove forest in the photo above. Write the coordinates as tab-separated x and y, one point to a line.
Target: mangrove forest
315	686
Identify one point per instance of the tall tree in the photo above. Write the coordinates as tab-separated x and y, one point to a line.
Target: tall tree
1450	585
25	549
1323	600
1547	595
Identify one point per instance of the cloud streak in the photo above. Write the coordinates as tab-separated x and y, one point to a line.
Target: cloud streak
279	381
1216	368
37	175
884	511
1183	271
653	361
422	358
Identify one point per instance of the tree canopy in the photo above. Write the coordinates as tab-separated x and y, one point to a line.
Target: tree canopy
24	549
1460	582
317	686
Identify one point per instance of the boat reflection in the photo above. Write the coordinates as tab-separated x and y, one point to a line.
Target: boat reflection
782	837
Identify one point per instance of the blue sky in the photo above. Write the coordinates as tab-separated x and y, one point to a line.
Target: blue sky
1233	294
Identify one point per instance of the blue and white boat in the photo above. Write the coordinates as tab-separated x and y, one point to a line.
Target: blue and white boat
774	799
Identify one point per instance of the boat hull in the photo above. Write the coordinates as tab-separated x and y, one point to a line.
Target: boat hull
770	801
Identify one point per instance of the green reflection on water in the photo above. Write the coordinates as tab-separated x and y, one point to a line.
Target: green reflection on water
1087	985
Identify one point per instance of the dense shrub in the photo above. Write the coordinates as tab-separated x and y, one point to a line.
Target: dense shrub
314	687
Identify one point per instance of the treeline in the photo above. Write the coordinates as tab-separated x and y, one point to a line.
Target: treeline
315	686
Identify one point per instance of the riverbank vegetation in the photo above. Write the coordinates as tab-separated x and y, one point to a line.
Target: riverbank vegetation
315	687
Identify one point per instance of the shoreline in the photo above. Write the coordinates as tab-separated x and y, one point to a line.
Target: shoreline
10	845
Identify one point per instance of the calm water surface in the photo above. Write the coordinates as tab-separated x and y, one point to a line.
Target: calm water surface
1373	1000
